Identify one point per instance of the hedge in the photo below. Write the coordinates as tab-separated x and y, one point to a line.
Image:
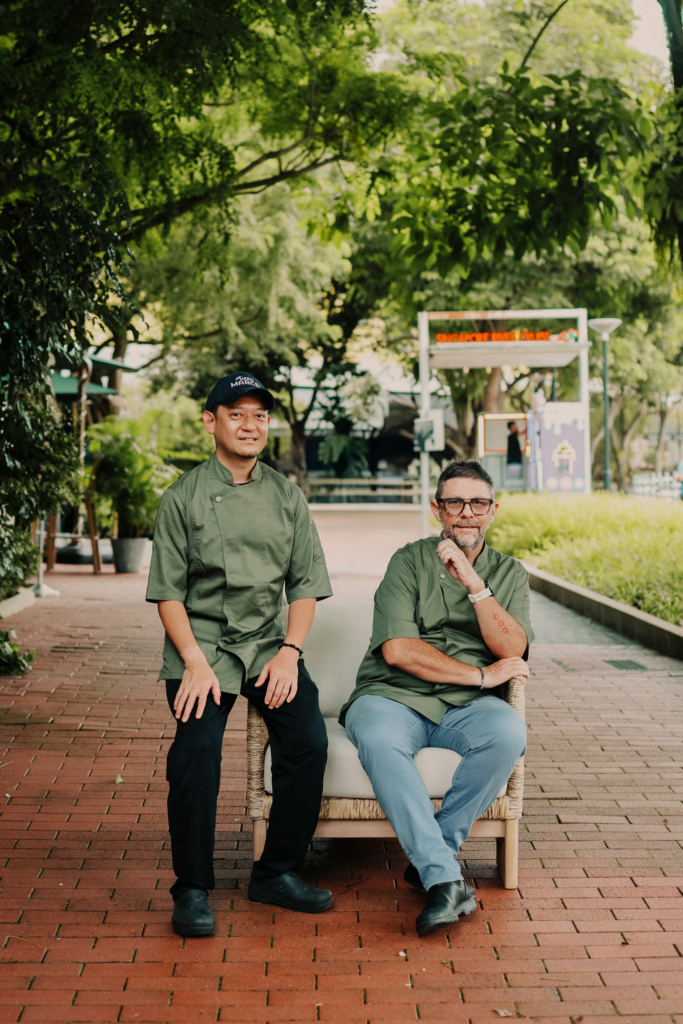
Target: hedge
627	548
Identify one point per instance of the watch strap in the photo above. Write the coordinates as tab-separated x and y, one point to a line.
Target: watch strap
486	592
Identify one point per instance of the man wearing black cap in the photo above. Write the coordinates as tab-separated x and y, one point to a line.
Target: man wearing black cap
229	535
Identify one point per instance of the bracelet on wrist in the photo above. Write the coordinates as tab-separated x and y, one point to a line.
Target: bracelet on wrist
295	648
483	679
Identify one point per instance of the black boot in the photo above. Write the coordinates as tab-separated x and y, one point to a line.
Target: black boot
290	892
446	902
412	876
192	915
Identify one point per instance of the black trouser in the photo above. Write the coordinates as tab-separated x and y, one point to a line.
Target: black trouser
298	741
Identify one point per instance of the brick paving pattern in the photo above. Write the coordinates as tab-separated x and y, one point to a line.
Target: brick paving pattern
594	931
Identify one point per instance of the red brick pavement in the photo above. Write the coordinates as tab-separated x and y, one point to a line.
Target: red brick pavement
594	931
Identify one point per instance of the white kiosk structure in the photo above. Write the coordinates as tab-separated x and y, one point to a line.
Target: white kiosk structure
564	467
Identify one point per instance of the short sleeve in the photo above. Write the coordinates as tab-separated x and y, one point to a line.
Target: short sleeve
396	603
168	571
519	606
307	573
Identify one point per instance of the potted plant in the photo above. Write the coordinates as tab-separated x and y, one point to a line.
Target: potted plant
128	478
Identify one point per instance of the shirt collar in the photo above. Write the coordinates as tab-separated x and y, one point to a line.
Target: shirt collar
223	474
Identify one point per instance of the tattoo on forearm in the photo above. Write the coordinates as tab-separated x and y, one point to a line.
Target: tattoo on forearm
500	621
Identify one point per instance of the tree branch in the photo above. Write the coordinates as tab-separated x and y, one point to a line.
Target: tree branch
539	34
673	19
248	187
276	154
200	337
172	210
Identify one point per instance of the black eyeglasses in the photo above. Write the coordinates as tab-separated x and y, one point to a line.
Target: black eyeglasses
454	506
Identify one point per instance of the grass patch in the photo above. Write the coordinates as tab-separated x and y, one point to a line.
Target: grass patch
629	549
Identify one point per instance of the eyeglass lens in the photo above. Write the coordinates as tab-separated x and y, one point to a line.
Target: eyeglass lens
454	506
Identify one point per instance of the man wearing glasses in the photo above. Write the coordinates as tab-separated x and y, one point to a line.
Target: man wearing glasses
451	624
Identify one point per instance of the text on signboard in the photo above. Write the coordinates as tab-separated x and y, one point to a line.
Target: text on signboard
496	336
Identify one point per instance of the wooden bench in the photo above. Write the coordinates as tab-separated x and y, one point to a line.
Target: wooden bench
334	650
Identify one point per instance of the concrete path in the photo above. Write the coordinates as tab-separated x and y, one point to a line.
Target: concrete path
595	930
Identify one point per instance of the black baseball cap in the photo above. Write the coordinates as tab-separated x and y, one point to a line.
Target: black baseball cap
228	389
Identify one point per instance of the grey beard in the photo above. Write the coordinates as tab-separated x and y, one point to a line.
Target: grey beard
464	544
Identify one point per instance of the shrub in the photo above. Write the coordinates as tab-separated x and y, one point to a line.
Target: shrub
21	558
38	470
627	548
12	661
129	475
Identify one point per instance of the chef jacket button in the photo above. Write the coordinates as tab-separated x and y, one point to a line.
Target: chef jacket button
218	498
442	575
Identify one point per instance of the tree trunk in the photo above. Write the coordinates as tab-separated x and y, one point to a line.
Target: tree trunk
622	445
663	417
672	17
616	405
297	454
492	393
120	346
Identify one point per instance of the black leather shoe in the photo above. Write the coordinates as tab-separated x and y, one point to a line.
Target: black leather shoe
412	877
290	892
192	915
446	902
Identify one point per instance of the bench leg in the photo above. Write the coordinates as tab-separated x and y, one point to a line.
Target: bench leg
260	829
507	850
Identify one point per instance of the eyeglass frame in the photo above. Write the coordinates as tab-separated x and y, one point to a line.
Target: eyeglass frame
465	502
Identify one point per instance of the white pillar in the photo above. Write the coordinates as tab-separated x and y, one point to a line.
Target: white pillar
584	396
423	337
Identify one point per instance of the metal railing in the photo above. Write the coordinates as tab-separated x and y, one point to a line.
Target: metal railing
365	489
656	485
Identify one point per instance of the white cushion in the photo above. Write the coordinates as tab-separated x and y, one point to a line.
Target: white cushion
346	777
334	649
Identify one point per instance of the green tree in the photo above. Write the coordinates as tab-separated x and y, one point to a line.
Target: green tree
116	119
606	263
274	301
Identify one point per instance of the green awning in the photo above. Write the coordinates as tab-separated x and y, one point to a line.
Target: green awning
67	387
111	364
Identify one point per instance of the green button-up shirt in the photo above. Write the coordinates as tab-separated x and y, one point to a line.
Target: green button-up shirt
419	599
226	551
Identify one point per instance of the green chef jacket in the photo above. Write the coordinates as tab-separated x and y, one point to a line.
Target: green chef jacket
226	550
418	598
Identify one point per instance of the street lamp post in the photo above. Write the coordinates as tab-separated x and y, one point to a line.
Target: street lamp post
604	326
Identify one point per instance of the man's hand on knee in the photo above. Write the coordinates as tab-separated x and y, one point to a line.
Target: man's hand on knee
199	680
282	674
504	670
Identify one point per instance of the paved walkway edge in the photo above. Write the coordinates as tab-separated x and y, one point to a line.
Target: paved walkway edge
623	618
17	603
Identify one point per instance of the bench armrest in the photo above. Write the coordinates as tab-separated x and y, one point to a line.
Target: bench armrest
514	693
257	741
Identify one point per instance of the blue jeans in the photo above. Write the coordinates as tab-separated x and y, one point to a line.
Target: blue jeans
488	734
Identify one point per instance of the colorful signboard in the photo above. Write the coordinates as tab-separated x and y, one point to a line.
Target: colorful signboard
560	461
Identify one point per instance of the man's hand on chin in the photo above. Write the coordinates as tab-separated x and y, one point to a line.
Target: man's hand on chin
458	566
